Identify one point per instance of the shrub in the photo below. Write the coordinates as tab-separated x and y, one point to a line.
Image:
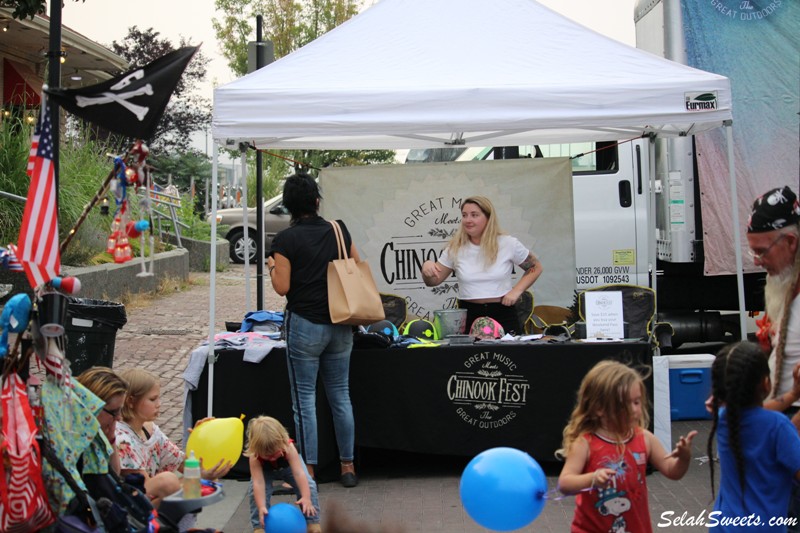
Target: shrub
83	165
15	144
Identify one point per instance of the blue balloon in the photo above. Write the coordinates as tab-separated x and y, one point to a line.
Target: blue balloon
503	489
284	518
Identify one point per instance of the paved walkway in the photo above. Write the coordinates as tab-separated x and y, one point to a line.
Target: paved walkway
160	335
418	493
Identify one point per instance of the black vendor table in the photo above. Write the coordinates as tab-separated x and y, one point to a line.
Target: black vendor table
457	400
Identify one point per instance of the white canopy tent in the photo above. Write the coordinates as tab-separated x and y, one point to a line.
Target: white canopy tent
416	73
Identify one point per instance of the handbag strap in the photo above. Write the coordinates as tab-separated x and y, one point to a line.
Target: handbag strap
337	231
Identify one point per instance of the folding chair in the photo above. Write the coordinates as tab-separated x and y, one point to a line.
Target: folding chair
638	311
553	318
394	307
524	309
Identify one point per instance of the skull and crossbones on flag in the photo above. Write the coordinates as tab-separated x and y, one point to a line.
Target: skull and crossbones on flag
130	104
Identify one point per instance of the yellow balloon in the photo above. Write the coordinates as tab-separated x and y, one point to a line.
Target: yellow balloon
221	438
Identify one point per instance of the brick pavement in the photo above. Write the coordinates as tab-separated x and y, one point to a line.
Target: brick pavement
160	334
418	492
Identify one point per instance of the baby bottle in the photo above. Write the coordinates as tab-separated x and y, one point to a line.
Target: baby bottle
191	477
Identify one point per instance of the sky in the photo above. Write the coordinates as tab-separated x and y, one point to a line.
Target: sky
105	21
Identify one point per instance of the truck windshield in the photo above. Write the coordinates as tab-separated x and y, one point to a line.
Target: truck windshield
586	157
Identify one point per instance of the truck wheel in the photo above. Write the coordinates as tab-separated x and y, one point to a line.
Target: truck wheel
236	240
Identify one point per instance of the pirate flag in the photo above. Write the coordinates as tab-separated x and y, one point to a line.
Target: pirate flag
130	104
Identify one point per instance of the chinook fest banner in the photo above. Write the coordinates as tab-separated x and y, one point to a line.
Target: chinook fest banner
403	215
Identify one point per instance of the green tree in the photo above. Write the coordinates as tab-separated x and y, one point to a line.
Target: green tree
187	111
183	167
26	8
289	24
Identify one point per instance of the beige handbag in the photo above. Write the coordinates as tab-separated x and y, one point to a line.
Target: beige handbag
353	298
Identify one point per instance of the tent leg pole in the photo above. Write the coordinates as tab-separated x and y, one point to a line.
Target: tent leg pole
737	247
245	225
212	283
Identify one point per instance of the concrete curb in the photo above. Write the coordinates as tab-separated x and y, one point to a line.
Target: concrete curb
111	281
200	253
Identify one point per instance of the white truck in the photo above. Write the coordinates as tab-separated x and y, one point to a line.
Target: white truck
610	194
755	44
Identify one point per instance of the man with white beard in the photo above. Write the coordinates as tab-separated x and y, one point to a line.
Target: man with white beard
773	233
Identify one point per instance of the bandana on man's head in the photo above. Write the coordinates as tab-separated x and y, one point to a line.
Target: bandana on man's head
775	209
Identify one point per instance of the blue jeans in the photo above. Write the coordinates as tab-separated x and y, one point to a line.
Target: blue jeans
282	474
320	349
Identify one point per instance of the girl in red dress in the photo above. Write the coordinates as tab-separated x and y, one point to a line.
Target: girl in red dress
607	448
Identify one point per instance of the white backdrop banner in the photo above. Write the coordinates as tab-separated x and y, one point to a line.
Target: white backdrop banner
402	215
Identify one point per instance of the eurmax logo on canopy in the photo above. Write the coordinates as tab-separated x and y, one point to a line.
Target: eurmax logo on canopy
706	101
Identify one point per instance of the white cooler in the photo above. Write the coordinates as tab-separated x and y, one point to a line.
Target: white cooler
681	385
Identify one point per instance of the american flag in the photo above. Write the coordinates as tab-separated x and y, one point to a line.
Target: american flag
34	149
37	247
8	259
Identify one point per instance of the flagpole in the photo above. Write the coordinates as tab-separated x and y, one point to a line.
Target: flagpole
54	82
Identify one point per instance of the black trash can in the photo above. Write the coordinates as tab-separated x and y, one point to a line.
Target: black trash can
91	331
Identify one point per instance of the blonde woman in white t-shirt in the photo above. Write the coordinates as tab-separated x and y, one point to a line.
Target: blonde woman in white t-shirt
483	257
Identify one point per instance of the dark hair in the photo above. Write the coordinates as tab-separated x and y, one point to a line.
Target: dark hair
301	195
736	377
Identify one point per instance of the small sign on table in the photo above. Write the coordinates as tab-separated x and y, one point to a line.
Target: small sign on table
604	315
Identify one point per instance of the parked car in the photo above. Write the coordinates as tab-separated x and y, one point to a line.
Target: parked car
276	218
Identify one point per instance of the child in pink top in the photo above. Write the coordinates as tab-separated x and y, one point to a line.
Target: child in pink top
143	448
